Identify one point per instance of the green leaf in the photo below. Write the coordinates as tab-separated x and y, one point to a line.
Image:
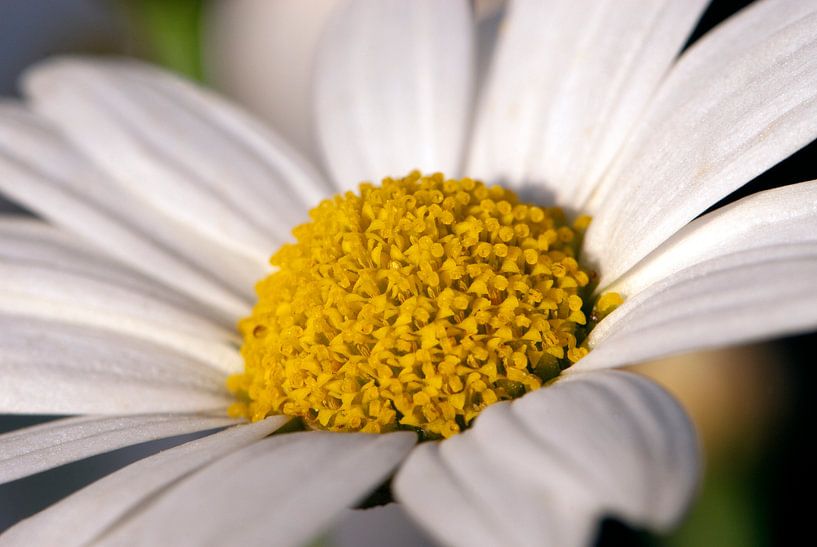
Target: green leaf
170	33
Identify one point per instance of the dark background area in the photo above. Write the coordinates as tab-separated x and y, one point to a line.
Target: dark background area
773	482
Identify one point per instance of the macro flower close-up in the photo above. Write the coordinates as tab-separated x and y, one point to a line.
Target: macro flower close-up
429	308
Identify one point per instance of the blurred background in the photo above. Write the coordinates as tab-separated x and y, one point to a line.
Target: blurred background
754	406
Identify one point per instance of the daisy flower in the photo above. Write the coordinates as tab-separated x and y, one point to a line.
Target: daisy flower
437	331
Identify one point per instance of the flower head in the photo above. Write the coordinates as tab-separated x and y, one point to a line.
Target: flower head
413	304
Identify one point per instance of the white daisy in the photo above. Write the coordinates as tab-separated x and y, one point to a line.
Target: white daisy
165	203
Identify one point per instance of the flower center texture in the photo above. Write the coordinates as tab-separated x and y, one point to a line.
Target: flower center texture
413	305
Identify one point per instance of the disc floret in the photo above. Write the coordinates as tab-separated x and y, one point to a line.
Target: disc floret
414	304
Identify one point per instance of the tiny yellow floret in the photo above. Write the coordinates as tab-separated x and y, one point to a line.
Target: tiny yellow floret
605	305
414	305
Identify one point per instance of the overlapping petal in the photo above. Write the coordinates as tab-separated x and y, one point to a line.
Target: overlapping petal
731	108
780	217
279	491
41	170
568	81
543	469
161	136
33	449
50	367
49	275
746	296
86	515
208	182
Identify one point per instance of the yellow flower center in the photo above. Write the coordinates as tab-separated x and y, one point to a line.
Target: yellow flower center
414	304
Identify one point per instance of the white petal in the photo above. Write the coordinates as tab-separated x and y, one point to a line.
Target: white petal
393	88
544	469
783	216
226	190
34	449
29	146
380	525
749	295
262	54
55	368
569	79
279	491
82	517
716	123
138	121
438	500
41	170
46	275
